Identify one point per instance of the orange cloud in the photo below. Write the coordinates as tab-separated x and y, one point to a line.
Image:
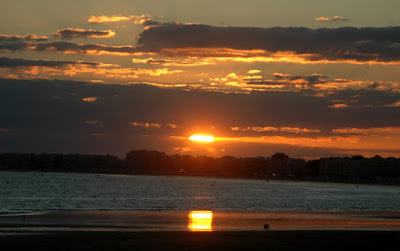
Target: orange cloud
292	57
395	104
229	83
333	19
28	68
302	141
281	75
263	129
245	84
298	130
354	143
322	19
341	84
153	125
210	52
254	71
255	128
372	140
339	18
107	19
170	62
368	131
274	129
141	19
173	126
161	85
156	72
349	142
146	125
116	73
252	77
89	99
339	106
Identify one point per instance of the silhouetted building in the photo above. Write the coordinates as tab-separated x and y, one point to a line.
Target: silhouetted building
349	168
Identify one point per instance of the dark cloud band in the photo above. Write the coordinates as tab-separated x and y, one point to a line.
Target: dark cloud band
347	43
69	47
16	62
364	45
17	38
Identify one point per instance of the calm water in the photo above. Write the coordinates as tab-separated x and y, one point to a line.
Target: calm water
55	191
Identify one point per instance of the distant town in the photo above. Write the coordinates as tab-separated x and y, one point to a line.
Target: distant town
356	169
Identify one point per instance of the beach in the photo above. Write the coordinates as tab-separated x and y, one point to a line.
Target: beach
56	211
171	230
236	240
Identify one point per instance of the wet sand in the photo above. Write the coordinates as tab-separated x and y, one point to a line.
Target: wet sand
134	220
173	230
223	240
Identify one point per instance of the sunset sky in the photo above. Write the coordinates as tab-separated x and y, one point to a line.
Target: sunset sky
312	78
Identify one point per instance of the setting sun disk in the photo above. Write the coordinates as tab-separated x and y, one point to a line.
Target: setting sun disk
202	138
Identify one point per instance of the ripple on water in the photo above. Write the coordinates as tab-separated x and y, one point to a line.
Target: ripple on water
35	191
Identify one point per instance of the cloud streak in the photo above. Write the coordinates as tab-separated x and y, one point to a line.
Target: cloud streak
6	62
28	38
170	62
50	69
85	33
67	47
140	19
395	104
368	131
263	129
17	43
333	19
89	99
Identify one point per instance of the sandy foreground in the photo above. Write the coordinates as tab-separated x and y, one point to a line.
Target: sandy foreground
201	230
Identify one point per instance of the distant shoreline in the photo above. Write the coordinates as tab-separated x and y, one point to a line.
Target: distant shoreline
354	170
312	179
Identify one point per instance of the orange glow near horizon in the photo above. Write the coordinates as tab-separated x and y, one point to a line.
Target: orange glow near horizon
345	139
201	138
200	220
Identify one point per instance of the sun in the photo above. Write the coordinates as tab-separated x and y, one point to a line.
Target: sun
202	138
200	220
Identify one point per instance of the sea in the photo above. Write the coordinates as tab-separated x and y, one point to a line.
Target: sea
35	191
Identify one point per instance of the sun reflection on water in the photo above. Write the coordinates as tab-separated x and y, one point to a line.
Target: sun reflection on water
200	220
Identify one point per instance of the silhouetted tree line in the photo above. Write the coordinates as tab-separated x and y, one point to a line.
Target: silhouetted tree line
278	166
61	163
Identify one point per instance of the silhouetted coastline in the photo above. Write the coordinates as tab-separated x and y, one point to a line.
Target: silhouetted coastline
279	166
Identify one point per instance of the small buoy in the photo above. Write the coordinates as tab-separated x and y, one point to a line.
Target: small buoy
266	226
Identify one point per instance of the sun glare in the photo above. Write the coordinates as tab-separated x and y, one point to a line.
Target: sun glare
201	138
200	220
